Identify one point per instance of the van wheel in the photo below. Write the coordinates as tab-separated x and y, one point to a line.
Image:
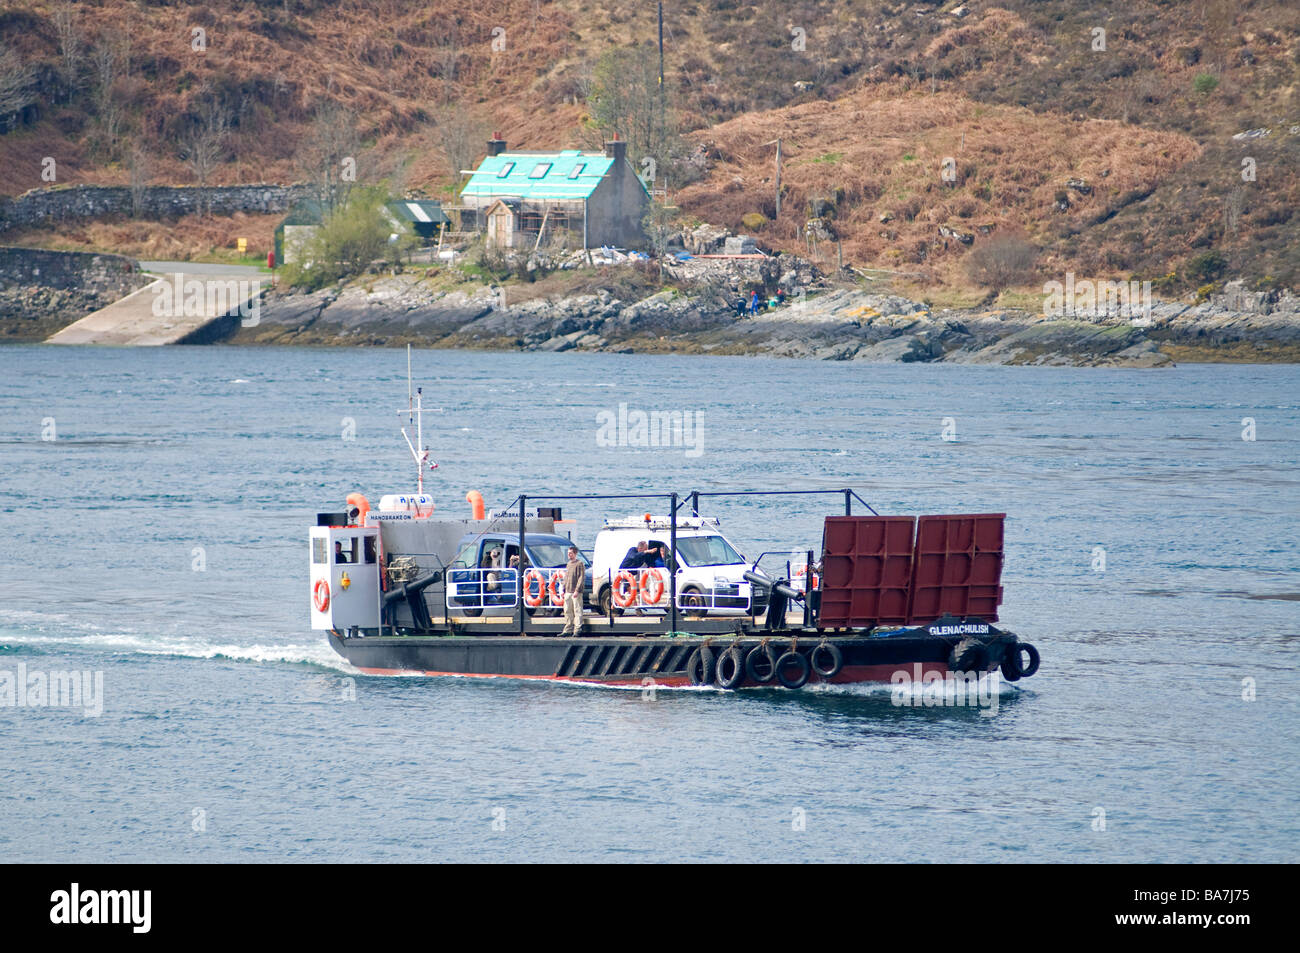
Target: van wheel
607	602
693	600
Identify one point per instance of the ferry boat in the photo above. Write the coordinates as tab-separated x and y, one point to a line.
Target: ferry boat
400	590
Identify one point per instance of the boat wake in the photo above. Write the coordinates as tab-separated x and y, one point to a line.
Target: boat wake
45	640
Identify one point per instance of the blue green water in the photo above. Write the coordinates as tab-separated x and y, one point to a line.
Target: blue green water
159	540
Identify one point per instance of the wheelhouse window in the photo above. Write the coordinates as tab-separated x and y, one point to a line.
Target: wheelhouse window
319	550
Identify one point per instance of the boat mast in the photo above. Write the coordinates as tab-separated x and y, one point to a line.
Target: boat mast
415	420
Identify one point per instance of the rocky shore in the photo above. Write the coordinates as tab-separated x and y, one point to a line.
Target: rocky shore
828	323
821	318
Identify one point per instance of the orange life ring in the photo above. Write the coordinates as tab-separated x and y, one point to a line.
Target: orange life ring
625	589
531	600
557	587
803	571
320	594
652	586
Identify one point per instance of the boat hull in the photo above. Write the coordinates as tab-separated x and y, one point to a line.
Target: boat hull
645	660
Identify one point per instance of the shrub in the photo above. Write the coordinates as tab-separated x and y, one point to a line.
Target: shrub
753	221
1205	83
1206	267
353	236
1001	262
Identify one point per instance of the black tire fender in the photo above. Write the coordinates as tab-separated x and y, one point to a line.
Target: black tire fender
969	655
761	655
1032	667
799	662
730	670
699	666
837	660
1011	663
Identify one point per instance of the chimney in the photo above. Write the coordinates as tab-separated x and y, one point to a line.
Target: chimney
496	145
616	149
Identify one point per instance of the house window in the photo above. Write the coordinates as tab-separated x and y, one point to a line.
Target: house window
540	170
577	170
506	170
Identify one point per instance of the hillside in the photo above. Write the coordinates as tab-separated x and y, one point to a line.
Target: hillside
868	99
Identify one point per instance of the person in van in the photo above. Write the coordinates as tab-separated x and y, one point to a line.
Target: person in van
493	561
635	557
656	557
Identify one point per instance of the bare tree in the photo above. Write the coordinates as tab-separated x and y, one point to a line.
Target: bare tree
447	56
328	156
70	42
140	171
204	145
461	137
1233	206
16	77
110	61
626	99
1001	262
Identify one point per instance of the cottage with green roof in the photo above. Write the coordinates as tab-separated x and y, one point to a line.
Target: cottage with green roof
588	199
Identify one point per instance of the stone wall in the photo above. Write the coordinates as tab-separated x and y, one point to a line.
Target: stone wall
81	202
101	275
42	291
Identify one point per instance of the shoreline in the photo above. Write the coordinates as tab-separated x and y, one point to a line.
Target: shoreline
837	323
844	323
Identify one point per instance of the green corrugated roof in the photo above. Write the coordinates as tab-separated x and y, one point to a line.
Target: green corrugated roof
539	175
421	211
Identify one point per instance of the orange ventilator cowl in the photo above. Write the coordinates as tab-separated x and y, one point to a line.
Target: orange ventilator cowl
358	509
475	500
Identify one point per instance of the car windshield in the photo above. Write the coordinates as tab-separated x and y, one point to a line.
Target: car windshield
708	551
551	555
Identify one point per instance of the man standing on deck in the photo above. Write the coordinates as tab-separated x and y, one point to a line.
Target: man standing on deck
574	576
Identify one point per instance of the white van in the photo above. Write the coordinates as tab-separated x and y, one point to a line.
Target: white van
709	569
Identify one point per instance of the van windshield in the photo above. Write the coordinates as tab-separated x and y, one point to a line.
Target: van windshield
708	551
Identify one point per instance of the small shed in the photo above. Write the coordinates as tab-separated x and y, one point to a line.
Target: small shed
298	226
501	227
423	216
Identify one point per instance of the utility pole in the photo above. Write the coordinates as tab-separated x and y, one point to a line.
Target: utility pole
662	119
778	173
778	178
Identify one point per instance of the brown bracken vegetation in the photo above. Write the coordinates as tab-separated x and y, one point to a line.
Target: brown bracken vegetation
1116	158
